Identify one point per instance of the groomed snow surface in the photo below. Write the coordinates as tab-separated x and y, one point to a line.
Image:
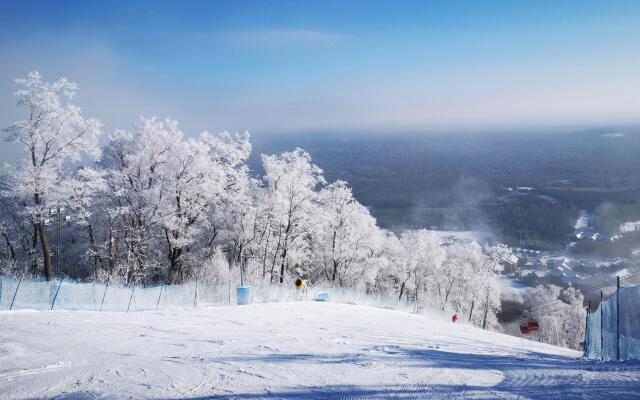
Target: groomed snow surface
302	350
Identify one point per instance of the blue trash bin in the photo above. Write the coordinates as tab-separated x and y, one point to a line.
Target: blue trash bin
243	295
322	296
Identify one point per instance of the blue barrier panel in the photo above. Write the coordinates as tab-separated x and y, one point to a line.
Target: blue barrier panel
34	294
8	288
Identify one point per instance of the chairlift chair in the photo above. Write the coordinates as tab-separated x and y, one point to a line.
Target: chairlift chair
533	325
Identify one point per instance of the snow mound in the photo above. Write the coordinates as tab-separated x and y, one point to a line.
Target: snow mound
302	350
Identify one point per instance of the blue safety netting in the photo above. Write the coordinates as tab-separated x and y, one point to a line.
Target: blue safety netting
593	345
629	323
65	294
609	329
613	329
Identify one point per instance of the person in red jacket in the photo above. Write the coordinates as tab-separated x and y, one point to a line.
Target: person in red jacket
454	318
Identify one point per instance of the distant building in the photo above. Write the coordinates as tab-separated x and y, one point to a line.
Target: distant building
630	227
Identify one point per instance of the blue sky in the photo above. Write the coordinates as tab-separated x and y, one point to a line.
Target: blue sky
279	66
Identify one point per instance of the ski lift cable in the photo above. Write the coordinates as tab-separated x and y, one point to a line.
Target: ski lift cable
548	307
588	290
608	283
528	316
558	308
612	282
554	310
605	284
545	307
554	302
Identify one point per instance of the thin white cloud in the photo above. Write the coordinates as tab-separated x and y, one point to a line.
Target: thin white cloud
284	37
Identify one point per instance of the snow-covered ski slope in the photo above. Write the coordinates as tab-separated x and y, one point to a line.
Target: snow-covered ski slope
300	350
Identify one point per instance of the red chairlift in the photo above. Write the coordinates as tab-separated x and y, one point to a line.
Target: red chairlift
533	326
529	326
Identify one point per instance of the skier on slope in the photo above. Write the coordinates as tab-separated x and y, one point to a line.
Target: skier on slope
454	318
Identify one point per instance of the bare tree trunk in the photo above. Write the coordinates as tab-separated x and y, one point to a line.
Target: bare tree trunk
273	261
284	251
282	265
96	257
275	253
264	258
10	246
42	233
333	258
34	245
486	311
175	264
113	248
46	251
447	293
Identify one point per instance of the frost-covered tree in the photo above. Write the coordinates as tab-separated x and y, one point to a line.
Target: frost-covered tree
291	180
173	192
423	262
390	263
560	313
53	134
206	190
165	206
348	234
81	194
232	213
136	182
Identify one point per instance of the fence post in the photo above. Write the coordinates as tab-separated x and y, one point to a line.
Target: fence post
15	293
131	297
55	296
195	296
601	326
586	331
618	318
93	292
159	296
104	295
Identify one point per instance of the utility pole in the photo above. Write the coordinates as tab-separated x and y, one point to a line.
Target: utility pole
586	331
243	265
59	211
58	243
618	317
601	326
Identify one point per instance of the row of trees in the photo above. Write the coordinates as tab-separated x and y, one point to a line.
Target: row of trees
560	313
153	205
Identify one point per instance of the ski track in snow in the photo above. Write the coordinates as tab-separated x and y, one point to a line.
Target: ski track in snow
287	351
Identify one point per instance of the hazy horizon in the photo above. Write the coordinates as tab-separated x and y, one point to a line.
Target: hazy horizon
353	67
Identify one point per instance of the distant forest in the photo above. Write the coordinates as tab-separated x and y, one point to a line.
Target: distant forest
463	181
